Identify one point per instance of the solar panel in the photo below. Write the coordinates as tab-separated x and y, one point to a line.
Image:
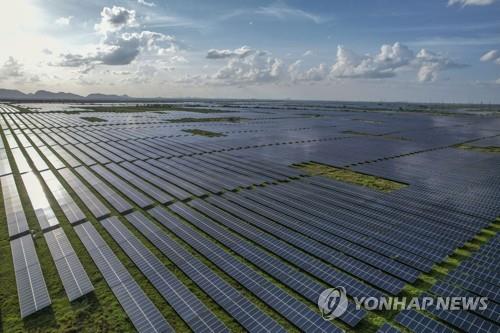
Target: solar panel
67	157
185	303
159	170
73	276
386	328
242	310
287	275
145	187
289	252
139	308
37	160
65	201
419	323
162	184
294	221
98	209
463	320
31	288
113	198
86	159
295	311
5	168
16	219
51	157
45	215
137	197
21	162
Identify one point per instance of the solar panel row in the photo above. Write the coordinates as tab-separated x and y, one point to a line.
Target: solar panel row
114	199
247	225
289	276
231	300
73	213
295	311
96	207
17	224
185	303
31	287
130	192
419	323
139	308
73	276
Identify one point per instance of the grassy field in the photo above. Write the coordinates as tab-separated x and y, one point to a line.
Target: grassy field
207	120
491	149
209	134
147	107
93	119
353	177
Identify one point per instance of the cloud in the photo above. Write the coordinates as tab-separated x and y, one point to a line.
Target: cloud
115	19
119	46
389	61
431	64
241	52
63	21
145	3
464	3
493	55
282	11
313	74
385	64
308	53
256	68
119	49
11	69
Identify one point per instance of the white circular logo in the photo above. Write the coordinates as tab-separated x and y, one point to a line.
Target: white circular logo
332	303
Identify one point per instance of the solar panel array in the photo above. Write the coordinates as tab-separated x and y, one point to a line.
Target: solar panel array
241	225
16	219
139	308
73	275
31	288
186	304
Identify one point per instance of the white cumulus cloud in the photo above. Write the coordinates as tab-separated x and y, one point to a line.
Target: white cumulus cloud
255	68
63	21
470	2
241	52
389	61
146	3
11	69
116	18
493	55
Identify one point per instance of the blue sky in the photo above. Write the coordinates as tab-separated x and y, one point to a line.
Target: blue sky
428	50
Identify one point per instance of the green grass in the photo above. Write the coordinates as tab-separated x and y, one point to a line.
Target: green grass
349	176
96	312
93	119
209	134
383	136
207	120
490	149
147	107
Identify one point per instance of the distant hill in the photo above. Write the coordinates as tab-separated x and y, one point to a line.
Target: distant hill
44	95
11	94
106	97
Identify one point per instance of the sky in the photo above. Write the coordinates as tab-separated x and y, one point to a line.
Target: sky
362	50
